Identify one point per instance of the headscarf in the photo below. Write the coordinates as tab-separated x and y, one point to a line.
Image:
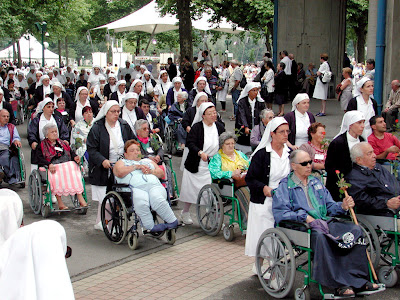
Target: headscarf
350	118
271	126
43	78
112	75
206	88
11	213
198	97
159	76
80	89
119	82
98	91
361	82
248	88
104	109
42	104
133	86
299	97
177	79
200	111
96	66
130	95
58	84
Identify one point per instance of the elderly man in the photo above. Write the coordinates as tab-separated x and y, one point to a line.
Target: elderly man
212	83
301	197
392	106
374	188
9	165
123	71
234	85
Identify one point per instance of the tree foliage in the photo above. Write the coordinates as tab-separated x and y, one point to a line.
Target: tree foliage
357	23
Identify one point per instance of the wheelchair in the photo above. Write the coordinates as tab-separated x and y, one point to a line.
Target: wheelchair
285	245
388	236
171	141
117	210
22	169
40	197
220	199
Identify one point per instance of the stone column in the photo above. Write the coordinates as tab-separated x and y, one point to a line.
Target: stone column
371	35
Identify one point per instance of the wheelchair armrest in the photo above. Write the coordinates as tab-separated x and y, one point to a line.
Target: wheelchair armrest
294	225
223	181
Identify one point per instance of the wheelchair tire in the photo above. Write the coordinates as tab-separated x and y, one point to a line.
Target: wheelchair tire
35	192
387	276
46	210
228	233
372	241
171	184
301	294
210	210
22	162
171	236
281	262
243	195
169	140
116	217
133	240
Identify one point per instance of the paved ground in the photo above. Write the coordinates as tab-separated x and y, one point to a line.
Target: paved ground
196	267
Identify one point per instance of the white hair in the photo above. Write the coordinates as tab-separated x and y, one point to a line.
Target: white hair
47	127
183	94
357	151
139	123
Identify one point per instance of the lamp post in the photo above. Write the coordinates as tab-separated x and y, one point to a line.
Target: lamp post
28	38
41	27
227	43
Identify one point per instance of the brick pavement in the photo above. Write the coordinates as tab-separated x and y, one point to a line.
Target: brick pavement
192	270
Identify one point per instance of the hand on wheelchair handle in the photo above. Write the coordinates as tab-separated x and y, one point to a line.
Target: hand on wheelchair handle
34	145
106	164
52	168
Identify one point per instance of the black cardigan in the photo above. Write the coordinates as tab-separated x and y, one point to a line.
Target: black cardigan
67	99
93	104
337	158
353	105
258	175
98	147
195	142
291	119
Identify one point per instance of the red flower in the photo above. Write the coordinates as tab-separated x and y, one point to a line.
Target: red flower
397	121
337	172
242	126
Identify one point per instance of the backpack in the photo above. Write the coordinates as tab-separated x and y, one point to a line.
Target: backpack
243	81
327	76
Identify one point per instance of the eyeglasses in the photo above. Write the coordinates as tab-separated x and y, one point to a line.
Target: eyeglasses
283	131
114	111
305	163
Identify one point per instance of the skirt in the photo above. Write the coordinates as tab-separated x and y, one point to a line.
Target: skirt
260	219
67	180
98	192
280	99
193	182
321	90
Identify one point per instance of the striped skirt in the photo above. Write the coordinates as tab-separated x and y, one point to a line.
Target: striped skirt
67	180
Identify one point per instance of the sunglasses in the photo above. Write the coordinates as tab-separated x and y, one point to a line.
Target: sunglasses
305	163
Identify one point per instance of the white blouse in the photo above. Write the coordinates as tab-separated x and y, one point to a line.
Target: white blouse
302	124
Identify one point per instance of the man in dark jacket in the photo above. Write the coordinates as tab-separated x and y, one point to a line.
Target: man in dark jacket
171	69
374	189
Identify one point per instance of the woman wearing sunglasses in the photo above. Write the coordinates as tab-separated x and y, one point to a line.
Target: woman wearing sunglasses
316	147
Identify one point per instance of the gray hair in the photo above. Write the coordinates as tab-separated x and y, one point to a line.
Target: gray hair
226	136
264	112
139	123
47	127
357	151
293	155
208	68
183	94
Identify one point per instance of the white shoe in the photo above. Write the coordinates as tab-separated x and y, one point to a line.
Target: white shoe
185	217
274	283
53	199
98	226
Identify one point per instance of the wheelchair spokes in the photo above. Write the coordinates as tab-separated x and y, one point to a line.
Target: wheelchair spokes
114	218
210	210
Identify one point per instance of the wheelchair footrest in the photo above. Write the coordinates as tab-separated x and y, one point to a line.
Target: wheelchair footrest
382	287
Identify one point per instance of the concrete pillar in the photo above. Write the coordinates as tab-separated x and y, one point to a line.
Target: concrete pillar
308	28
371	35
392	52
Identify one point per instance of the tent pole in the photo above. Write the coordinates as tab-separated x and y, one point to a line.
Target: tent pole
152	35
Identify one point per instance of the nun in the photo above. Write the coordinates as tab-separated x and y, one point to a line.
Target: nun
365	103
110	87
43	90
130	111
32	256
120	93
200	85
269	164
81	100
148	84
338	155
162	86
57	92
174	90
250	105
299	119
94	77
201	145
105	145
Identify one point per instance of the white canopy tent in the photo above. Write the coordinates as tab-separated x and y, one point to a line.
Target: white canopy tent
51	58
148	19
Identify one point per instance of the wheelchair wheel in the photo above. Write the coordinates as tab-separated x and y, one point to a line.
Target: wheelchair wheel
133	240
302	294
276	251
114	218
79	210
169	140
388	276
210	210
171	236
46	210
372	241
35	192
243	195
23	170
228	233
170	183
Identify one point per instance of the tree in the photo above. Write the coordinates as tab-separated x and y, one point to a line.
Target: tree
357	23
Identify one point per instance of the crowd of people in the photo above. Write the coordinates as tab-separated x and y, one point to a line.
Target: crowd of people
116	123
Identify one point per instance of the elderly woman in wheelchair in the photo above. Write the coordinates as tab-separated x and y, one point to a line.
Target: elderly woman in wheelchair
150	144
62	162
143	176
339	250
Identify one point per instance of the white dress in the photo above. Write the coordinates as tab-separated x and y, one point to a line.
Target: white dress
260	215
221	95
321	89
193	182
368	110
302	124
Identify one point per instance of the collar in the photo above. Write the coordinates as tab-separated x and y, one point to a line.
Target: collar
299	114
350	138
367	171
294	181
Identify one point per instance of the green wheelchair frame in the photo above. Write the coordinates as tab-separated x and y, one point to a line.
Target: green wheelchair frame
171	143
211	203
40	196
289	241
175	188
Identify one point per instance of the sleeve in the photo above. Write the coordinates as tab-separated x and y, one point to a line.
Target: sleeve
192	138
215	165
333	208
41	161
186	120
33	131
268	77
282	208
170	96
63	130
396	141
242	114
255	172
93	147
372	141
16	136
352	105
255	136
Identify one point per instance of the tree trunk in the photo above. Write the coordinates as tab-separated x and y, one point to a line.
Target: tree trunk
185	28
59	53
19	55
269	36
14	51
66	51
355	50
138	45
361	34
